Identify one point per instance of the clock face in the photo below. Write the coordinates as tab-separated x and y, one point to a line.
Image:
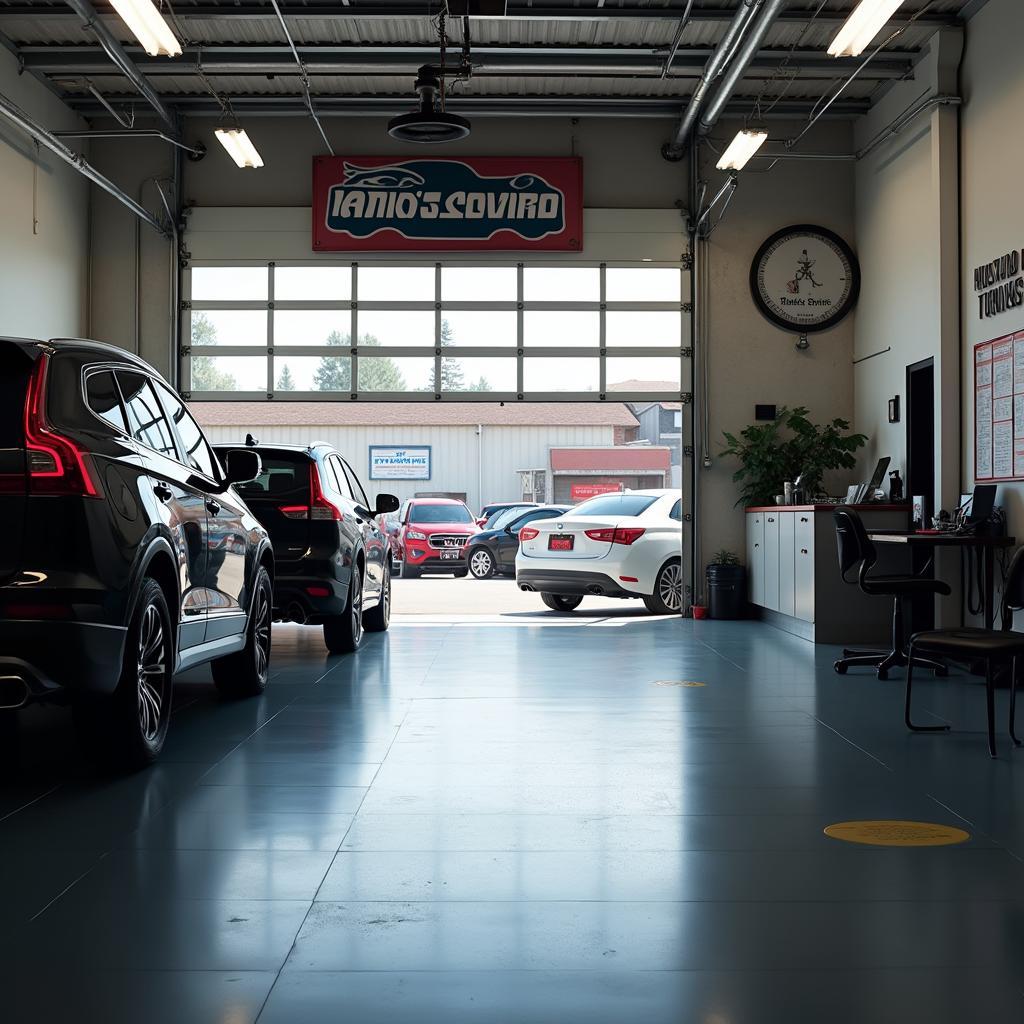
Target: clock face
805	279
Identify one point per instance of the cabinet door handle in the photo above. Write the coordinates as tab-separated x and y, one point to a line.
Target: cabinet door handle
771	519
803	519
757	545
803	551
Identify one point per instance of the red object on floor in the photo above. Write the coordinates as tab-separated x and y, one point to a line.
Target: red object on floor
700	611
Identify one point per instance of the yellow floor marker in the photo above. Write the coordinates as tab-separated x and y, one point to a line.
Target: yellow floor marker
897	833
678	682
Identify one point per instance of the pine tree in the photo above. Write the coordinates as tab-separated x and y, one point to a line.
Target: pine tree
378	373
285	382
205	375
333	373
451	369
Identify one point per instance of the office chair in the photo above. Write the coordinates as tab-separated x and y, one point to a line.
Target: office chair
991	646
856	549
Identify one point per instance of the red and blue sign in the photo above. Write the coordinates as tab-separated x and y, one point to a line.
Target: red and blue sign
468	204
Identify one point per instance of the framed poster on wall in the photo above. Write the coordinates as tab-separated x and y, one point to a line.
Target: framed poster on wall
394	462
999	408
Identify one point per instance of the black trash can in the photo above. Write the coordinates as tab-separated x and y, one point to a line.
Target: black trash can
727	591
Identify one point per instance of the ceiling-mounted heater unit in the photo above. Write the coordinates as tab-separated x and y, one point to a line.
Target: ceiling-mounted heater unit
431	122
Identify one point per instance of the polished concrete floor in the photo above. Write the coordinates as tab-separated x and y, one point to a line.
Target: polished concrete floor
481	822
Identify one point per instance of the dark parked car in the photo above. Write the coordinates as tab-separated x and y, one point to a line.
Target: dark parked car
126	553
494	550
321	524
488	512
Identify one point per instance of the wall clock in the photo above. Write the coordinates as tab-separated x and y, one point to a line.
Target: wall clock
805	279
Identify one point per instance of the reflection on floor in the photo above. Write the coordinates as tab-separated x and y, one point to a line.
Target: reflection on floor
480	824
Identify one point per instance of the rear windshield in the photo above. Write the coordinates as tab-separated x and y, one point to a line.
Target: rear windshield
615	505
14	372
281	474
440	514
502	519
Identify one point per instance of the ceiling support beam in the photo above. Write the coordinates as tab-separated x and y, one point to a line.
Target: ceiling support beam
523	11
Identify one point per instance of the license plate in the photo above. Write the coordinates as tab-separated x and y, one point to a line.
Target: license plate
450	555
556	543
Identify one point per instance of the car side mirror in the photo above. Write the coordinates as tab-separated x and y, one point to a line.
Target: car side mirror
386	503
242	465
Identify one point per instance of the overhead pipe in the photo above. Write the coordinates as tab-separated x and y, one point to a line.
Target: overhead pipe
304	77
674	148
46	138
87	13
197	152
738	68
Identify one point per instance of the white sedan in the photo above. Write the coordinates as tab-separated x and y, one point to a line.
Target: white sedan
614	545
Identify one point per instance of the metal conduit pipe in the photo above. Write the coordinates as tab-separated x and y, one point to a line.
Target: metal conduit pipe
904	119
673	149
738	67
87	13
197	151
13	113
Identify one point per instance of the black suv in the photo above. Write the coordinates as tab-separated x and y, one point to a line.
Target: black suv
321	525
125	554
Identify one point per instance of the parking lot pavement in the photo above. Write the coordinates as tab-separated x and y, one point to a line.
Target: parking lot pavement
444	597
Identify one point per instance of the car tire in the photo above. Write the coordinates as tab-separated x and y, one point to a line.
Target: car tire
409	572
344	633
562	602
481	564
378	618
667	598
128	728
245	673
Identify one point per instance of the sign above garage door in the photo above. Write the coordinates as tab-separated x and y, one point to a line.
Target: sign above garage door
470	204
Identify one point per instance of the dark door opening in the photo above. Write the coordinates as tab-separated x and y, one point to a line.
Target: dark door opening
921	462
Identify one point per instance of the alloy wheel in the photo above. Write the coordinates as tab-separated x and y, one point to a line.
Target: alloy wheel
670	586
480	563
356	603
261	631
386	596
152	672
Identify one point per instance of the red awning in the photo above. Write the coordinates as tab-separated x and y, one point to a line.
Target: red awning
615	459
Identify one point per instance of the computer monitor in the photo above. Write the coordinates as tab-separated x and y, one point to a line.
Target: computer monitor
877	477
982	502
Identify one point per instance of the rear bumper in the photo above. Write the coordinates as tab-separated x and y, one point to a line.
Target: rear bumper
294	602
41	660
570	583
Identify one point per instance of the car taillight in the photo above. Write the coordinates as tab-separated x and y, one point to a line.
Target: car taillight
294	511
616	534
56	465
528	533
319	506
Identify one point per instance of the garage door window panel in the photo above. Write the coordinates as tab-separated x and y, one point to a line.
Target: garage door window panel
390	283
312	373
312	328
560	374
645	374
473	374
310	284
479	284
561	329
561	284
396	328
480	329
643	330
235	283
228	327
228	373
643	284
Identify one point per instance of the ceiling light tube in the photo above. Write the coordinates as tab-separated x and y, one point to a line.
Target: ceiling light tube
746	143
863	24
239	147
148	26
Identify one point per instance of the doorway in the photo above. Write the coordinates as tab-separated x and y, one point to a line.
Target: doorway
921	463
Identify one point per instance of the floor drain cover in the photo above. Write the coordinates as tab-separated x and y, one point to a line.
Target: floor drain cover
678	682
897	833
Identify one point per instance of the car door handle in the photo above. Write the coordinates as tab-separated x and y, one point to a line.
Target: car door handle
162	491
213	507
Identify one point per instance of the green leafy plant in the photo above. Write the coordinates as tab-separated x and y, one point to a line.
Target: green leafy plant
788	447
724	557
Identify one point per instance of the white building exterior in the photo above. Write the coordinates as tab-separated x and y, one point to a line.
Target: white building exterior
477	451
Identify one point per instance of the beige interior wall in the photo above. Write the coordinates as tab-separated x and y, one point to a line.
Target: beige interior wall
44	220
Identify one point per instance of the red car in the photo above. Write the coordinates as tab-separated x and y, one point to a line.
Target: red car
432	536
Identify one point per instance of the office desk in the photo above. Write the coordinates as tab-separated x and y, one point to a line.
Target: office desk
987	546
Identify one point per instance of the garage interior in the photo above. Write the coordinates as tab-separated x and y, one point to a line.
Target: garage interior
495	811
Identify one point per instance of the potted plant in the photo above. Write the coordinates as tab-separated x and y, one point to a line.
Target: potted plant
787	447
726	585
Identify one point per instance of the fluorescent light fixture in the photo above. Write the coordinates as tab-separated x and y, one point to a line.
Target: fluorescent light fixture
863	24
239	147
148	26
747	142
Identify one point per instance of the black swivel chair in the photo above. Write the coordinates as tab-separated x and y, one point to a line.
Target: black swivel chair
856	549
967	644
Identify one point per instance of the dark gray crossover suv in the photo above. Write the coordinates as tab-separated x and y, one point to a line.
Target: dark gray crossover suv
125	553
333	559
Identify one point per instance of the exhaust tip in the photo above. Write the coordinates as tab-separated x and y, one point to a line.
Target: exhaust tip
595	590
14	692
526	587
296	613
